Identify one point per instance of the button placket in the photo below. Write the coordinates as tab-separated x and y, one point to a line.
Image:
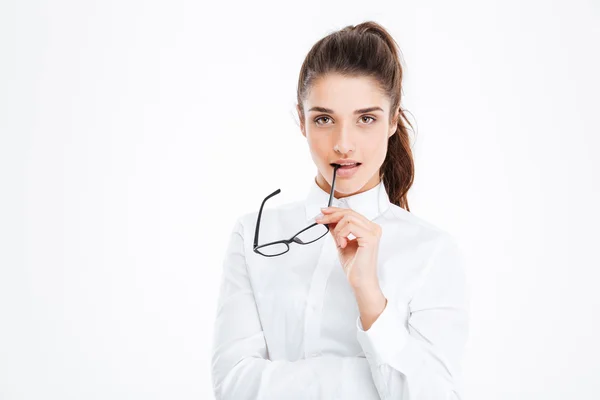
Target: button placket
314	302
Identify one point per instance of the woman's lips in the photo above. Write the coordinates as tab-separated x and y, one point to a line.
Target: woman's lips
347	171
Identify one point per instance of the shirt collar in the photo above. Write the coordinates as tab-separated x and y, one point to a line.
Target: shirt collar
369	203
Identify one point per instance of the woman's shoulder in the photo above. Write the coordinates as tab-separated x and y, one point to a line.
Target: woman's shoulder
417	226
435	248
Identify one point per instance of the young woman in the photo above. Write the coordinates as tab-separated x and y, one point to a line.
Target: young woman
365	300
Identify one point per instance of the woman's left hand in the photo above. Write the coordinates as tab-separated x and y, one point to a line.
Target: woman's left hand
358	256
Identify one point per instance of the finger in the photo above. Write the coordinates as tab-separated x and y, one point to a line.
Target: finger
338	215
350	225
363	235
333	216
349	219
331	209
345	210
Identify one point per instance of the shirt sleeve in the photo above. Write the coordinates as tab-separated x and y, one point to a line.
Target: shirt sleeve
241	368
422	360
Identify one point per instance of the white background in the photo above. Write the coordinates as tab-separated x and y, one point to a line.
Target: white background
134	133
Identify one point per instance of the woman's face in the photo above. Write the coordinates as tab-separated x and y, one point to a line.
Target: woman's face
337	125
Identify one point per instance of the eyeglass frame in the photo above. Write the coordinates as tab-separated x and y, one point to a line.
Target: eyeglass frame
293	239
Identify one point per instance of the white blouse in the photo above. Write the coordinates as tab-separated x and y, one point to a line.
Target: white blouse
288	327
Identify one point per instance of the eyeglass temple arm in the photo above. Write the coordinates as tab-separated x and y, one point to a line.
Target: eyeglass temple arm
259	215
335	168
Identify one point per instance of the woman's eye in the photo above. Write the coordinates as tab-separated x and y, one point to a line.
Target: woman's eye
320	118
369	117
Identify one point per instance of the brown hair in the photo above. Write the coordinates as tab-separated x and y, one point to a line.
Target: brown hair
367	49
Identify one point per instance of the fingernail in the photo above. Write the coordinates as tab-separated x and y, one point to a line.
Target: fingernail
319	216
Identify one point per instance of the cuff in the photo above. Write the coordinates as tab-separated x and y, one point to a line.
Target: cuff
386	337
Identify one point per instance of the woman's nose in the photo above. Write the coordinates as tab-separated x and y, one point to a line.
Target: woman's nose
343	143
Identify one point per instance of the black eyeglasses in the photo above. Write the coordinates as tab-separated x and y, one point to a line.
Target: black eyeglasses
310	234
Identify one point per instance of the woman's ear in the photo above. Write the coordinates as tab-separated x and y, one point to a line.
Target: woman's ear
394	124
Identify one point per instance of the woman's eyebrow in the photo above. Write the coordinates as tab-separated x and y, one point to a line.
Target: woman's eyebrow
361	111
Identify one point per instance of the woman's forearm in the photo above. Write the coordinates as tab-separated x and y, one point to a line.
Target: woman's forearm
371	303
